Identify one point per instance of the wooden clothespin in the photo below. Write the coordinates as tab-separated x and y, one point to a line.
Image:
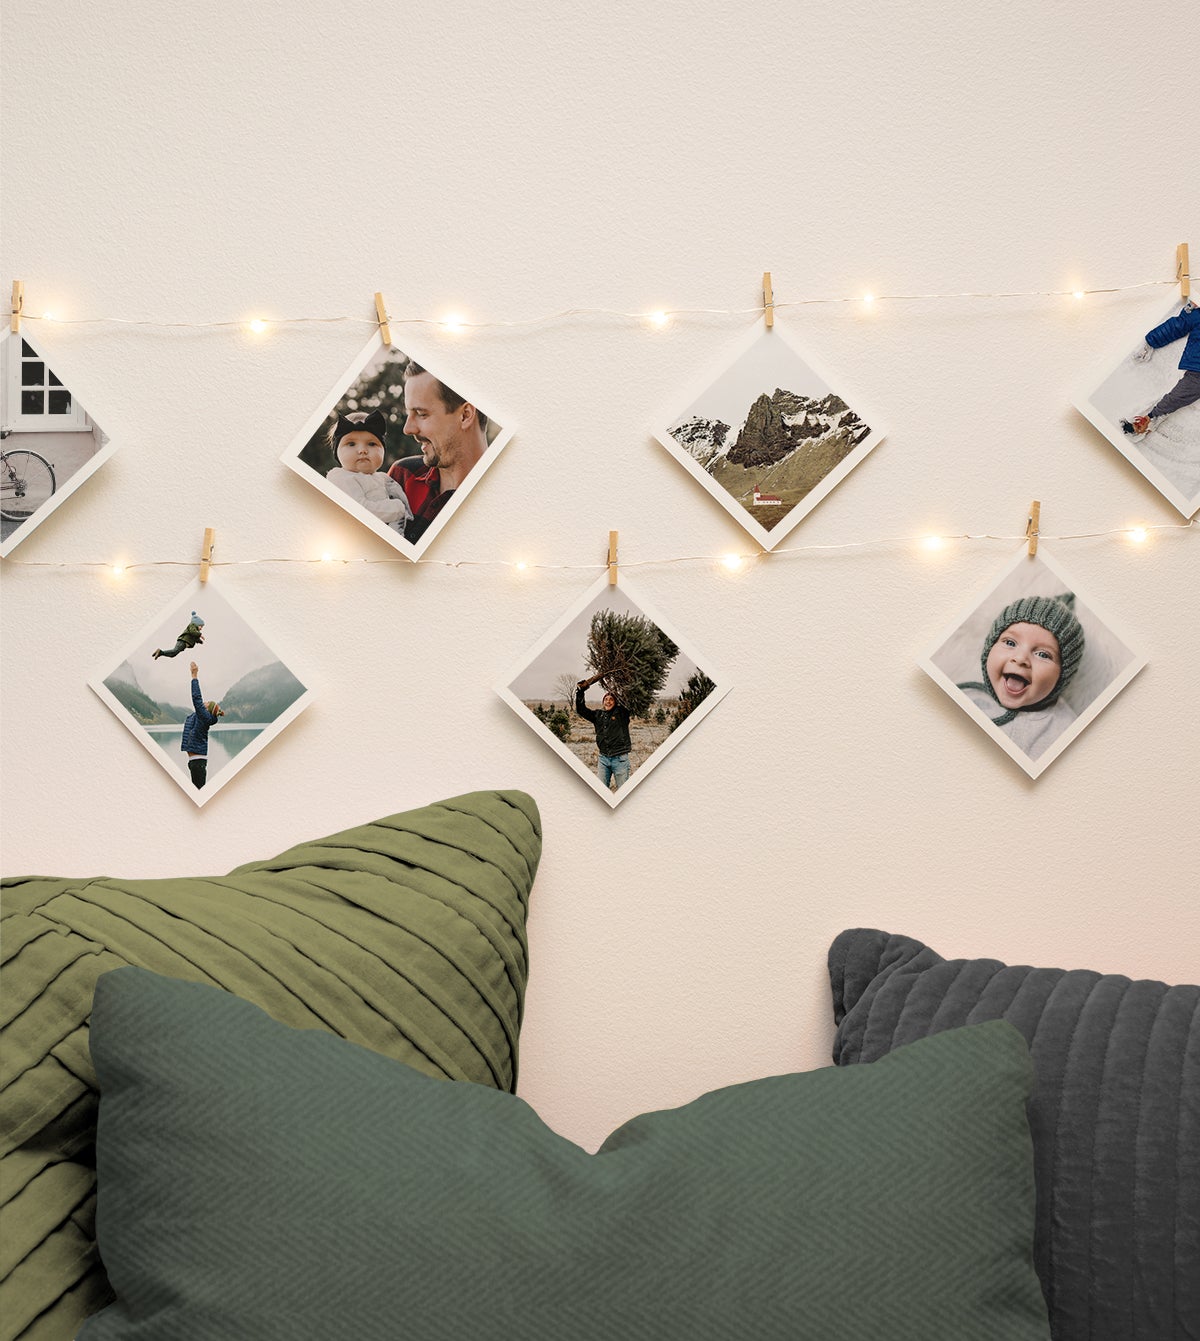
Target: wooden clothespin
1031	526
1182	271
768	299
18	305
612	558
381	314
206	553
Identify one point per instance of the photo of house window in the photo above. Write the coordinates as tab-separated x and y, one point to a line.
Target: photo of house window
49	444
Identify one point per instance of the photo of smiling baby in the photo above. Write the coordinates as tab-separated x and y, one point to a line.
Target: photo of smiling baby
398	445
1032	663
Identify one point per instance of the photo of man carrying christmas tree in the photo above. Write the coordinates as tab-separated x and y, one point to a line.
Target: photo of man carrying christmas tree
611	690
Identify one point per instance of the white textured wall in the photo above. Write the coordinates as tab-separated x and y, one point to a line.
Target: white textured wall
205	162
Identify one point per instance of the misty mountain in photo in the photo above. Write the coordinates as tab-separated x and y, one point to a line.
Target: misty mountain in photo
262	695
259	696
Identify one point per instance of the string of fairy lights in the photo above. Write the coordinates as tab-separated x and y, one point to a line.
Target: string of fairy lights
453	323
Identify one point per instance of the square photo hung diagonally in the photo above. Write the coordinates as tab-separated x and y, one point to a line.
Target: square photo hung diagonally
201	690
612	689
49	443
399	443
1032	661
768	435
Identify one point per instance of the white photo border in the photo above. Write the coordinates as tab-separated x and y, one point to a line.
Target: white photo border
1113	433
184	600
768	540
82	475
693	719
435	363
1033	767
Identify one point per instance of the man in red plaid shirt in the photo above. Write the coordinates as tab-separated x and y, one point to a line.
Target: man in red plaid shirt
452	435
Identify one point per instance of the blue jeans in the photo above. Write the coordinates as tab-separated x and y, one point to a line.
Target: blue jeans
613	766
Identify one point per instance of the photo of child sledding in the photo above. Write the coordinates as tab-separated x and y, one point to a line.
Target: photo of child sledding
1032	663
204	718
1148	407
611	690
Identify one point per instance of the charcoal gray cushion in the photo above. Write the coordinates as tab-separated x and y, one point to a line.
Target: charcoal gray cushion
1115	1117
263	1183
406	935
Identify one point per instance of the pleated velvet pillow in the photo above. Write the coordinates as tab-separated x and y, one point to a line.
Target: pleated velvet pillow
1115	1117
406	936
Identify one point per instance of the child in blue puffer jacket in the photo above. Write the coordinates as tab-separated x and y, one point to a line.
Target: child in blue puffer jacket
1187	390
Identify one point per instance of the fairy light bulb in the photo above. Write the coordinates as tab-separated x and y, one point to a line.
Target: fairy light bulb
1138	535
452	323
868	299
1079	295
326	557
522	566
732	561
117	570
258	325
658	318
933	542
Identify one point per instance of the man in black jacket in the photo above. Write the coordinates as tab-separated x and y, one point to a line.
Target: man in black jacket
611	722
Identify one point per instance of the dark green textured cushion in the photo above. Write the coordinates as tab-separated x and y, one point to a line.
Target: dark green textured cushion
261	1183
406	936
1115	1117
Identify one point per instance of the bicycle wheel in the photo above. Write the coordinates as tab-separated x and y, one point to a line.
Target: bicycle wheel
26	481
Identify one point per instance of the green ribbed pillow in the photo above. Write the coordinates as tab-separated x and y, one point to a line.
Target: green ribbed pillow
406	936
260	1183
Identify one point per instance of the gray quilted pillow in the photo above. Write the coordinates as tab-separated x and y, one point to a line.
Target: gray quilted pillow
1115	1117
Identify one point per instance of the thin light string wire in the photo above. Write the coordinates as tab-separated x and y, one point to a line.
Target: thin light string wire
533	565
570	312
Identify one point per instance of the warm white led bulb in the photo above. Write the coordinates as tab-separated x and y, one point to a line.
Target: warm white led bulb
657	318
868	299
933	542
1139	535
118	570
732	561
257	325
326	558
521	565
453	323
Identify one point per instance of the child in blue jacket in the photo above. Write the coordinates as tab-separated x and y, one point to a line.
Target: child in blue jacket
1187	390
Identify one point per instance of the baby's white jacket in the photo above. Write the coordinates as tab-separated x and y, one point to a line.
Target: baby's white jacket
381	495
1031	731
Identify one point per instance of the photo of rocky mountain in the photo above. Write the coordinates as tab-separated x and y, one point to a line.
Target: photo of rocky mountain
769	437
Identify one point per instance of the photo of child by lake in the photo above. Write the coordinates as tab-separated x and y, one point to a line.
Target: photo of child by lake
1148	406
768	436
49	444
399	444
612	690
201	690
1033	662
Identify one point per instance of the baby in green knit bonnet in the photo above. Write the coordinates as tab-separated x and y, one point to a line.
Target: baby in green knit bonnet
1030	655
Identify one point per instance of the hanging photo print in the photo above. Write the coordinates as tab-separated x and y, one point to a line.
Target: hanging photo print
49	444
612	690
202	691
399	443
1033	662
768	436
1148	406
